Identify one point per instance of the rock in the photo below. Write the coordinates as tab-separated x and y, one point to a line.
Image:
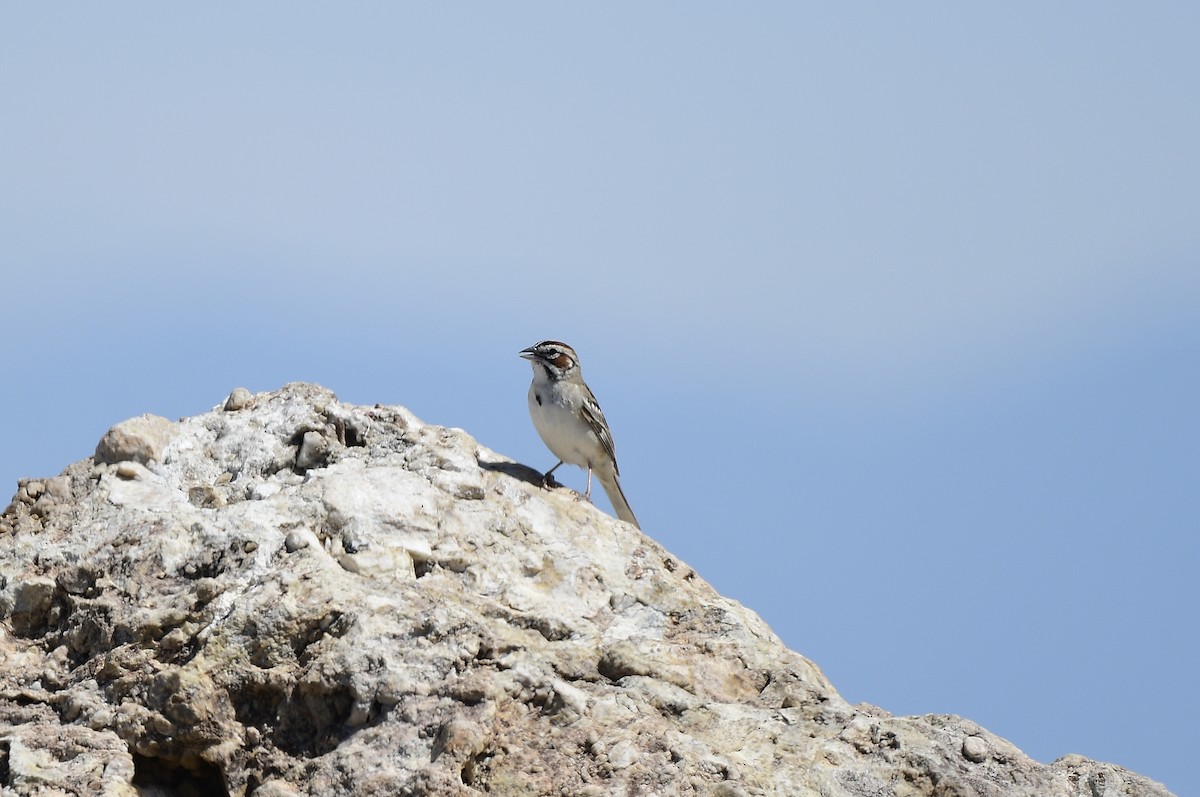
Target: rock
43	758
141	439
296	541
27	602
975	749
239	399
293	596
314	451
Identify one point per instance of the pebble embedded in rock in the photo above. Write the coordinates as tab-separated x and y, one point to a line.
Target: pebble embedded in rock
975	749
276	788
460	738
239	399
129	470
314	451
295	541
622	755
139	439
264	490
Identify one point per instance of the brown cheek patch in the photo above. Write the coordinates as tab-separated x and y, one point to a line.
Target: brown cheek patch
562	361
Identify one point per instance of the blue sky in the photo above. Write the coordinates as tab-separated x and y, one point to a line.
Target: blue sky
894	310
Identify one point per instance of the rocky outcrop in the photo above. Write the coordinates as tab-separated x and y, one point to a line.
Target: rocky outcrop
289	595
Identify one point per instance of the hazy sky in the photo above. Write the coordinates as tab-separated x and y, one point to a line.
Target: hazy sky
894	309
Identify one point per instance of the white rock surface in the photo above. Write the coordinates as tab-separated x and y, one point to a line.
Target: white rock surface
289	595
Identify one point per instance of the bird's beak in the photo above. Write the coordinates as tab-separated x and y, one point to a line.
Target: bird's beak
527	354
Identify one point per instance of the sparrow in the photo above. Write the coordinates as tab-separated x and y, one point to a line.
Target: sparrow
571	424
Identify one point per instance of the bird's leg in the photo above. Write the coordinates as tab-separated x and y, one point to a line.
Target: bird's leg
587	494
548	480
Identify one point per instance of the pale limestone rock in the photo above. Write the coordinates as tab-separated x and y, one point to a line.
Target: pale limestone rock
293	596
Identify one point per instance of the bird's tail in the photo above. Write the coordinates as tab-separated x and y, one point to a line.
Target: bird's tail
612	488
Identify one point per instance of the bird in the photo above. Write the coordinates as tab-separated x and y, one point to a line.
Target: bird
571	424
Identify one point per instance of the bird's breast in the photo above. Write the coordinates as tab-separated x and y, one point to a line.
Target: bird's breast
562	430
